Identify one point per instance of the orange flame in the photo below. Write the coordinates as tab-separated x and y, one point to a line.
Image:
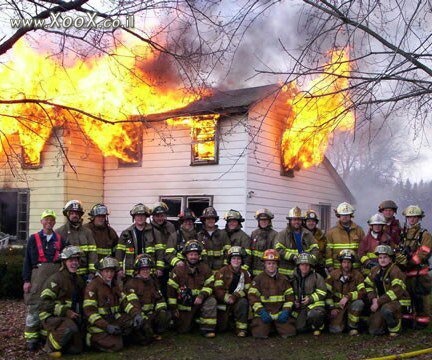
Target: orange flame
203	134
108	87
316	114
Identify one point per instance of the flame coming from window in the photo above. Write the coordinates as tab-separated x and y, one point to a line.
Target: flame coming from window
203	135
316	114
108	87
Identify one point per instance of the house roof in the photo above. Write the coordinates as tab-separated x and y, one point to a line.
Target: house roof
220	102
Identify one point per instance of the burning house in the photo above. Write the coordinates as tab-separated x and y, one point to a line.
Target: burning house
242	149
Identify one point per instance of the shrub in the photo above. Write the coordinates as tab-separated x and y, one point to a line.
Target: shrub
11	263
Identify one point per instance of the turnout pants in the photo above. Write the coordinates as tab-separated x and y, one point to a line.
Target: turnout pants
63	334
419	288
237	311
262	330
349	315
207	312
388	316
310	319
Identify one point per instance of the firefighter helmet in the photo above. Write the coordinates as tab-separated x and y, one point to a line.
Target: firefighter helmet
387	204
413	210
270	254
305	258
98	209
347	254
209	212
344	209
236	251
264	214
73	205
108	262
143	261
48	212
188	214
192	245
160	208
377	219
233	215
311	215
140	209
384	249
71	251
294	213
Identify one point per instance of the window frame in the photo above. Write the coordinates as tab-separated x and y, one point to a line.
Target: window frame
198	162
184	202
22	212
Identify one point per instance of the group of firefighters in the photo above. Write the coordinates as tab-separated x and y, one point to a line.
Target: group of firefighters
85	280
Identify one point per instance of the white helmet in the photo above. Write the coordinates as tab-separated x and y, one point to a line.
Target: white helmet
344	209
295	213
377	219
413	210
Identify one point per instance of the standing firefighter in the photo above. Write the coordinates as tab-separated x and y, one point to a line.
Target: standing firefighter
175	245
61	306
345	235
271	298
190	290
215	241
230	286
262	238
347	290
135	240
148	307
105	236
76	234
236	236
376	236
310	293
293	241
310	222
413	256
386	290
41	260
389	208
106	321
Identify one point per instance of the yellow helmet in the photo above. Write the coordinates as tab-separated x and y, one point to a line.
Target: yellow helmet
48	212
295	213
413	210
344	209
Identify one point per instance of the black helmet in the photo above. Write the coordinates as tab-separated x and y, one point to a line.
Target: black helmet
73	205
192	245
143	261
98	209
209	212
188	214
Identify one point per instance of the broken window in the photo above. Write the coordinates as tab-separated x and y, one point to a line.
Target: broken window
14	205
204	141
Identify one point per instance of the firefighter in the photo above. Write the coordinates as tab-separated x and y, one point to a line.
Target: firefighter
175	245
262	238
135	240
41	260
345	235
162	230
215	242
310	293
347	290
376	236
190	292
230	286
236	236
386	291
146	301
105	236
271	298
389	208
293	241
76	234
61	306
106	319
413	256
310	222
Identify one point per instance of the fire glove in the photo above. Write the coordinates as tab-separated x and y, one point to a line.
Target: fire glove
113	329
265	316
138	321
283	317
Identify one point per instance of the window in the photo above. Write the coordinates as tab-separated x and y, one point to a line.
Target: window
204	146
177	204
324	212
14	205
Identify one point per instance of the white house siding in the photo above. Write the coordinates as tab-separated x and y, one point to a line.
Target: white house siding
280	193
166	170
